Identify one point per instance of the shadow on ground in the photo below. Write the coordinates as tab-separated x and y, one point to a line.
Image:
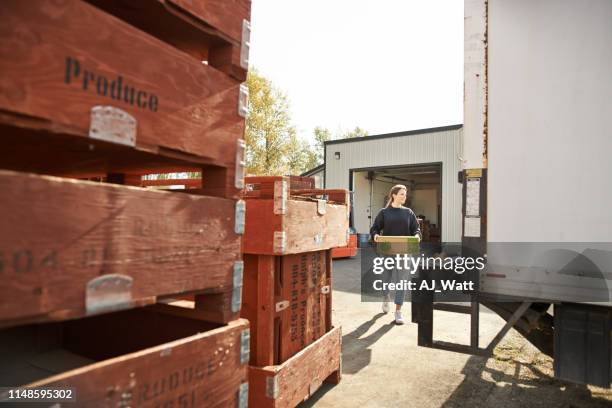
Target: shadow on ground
513	385
500	381
517	375
356	353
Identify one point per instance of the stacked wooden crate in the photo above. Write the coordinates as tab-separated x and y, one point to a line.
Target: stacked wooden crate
111	90
289	232
348	251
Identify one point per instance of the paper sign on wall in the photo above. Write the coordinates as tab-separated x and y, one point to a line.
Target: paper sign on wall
471	227
472	197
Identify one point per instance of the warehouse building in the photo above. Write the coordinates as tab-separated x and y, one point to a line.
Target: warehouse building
318	173
427	161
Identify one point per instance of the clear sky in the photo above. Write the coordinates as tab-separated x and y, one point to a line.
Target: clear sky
385	66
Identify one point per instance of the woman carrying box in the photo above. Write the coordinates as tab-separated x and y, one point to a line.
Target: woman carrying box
394	220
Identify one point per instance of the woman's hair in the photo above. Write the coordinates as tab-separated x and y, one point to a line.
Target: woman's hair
394	190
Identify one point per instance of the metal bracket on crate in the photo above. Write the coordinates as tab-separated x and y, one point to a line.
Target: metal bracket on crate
243	101
243	395
237	287
112	125
280	242
272	387
240	217
325	290
240	164
245	46
281	193
245	346
282	305
108	292
321	207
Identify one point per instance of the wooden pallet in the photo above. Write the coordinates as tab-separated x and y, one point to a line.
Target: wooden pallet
137	358
73	248
288	384
63	111
287	299
281	220
216	31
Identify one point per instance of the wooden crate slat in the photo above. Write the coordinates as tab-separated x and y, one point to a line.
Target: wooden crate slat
263	186
59	59
288	301
209	30
135	358
305	229
58	235
224	15
288	384
280	223
303	278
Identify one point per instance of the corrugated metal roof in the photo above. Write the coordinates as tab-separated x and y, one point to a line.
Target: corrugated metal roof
396	134
313	170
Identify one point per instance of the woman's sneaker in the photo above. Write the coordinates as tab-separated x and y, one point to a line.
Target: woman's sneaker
399	319
385	306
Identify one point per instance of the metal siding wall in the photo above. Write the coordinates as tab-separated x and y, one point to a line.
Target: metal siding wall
444	147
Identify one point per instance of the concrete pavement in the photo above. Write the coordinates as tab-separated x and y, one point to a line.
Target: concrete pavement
384	367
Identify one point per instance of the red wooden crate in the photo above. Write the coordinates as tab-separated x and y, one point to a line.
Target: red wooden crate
84	93
216	31
348	251
288	301
344	252
263	186
288	384
137	358
70	248
281	220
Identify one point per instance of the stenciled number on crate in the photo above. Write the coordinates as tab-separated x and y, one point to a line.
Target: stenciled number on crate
316	276
117	89
24	261
294	299
304	297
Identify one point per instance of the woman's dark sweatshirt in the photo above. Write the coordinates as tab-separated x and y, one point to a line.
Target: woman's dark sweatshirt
395	221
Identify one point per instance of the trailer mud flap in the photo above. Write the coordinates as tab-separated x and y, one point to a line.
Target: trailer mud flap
582	344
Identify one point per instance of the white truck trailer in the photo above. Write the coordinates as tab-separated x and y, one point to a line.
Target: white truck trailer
537	178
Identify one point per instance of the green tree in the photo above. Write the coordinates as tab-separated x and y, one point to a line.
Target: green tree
321	136
357	132
300	155
268	127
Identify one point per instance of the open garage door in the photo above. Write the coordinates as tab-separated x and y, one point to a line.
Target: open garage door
424	184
